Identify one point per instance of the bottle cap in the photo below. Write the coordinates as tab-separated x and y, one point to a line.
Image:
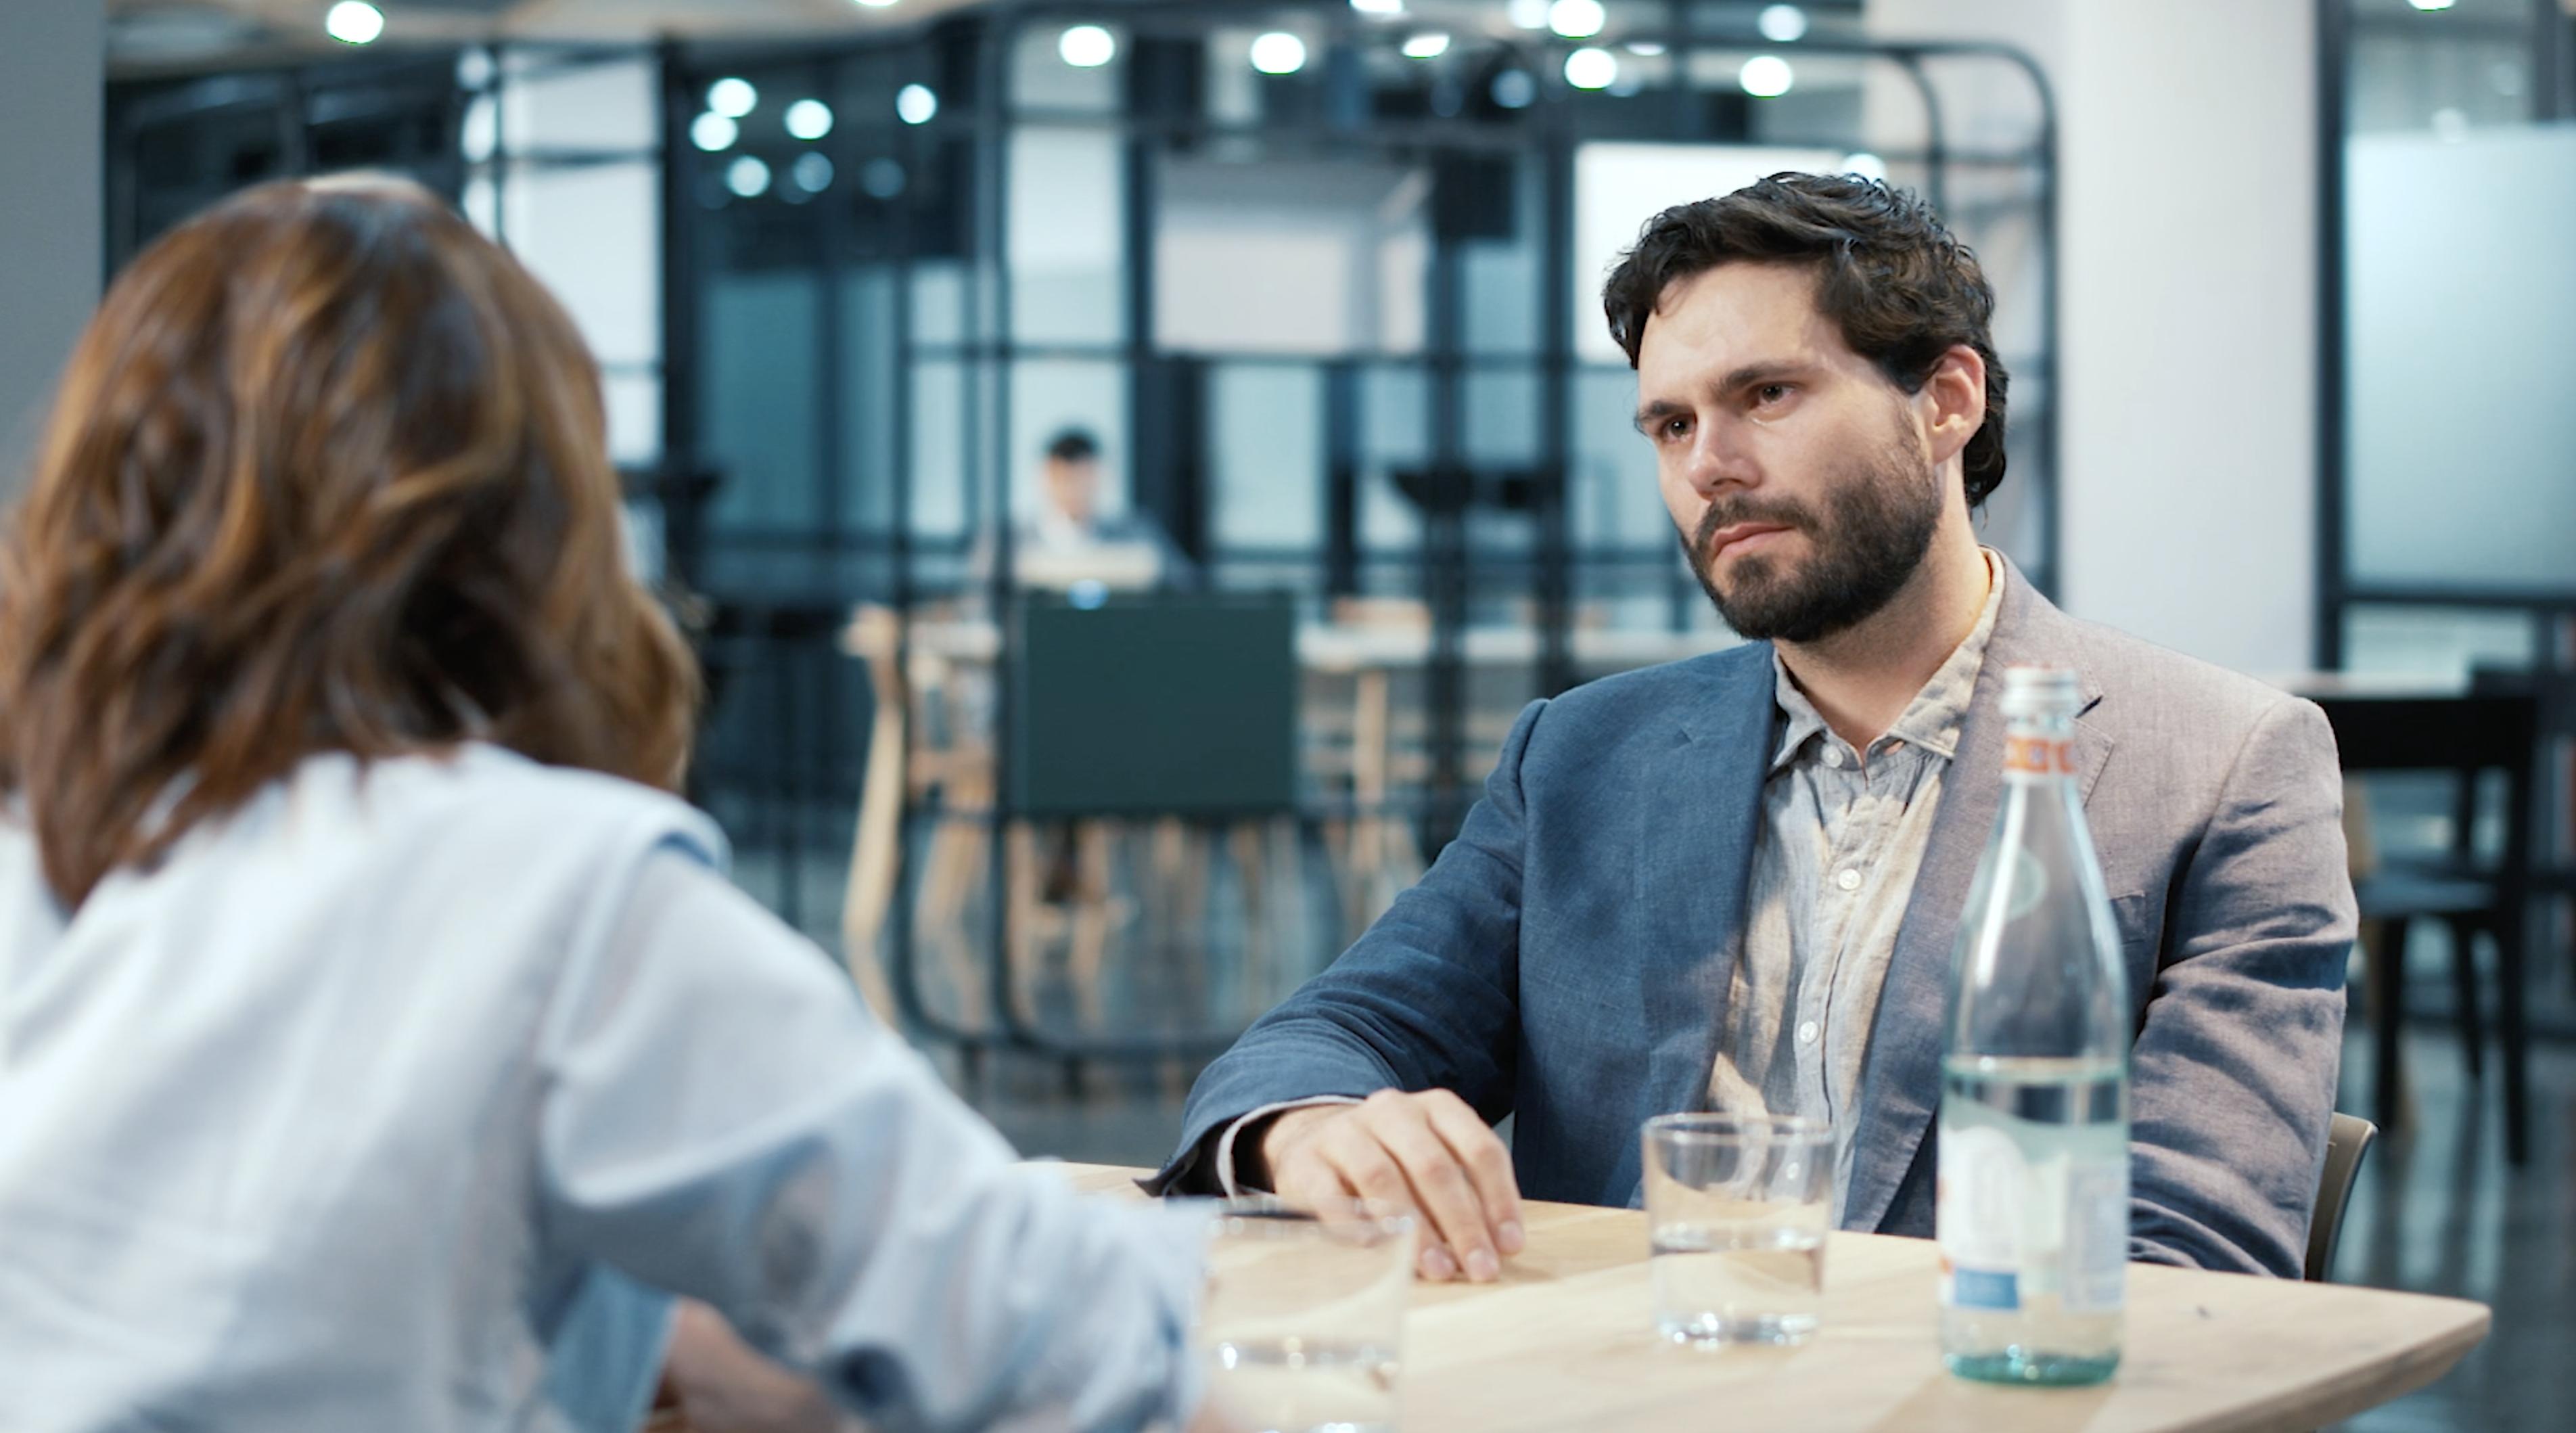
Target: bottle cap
2040	691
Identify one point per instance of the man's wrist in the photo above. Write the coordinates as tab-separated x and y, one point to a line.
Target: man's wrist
1240	1165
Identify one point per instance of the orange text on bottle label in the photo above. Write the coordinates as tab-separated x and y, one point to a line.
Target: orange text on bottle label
2039	756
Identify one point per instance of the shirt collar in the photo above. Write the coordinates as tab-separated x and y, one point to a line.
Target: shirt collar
1932	720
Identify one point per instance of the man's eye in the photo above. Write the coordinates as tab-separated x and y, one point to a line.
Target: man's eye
1676	427
1771	392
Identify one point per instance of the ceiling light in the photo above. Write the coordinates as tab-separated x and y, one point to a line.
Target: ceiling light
1866	165
916	104
2430	4
480	134
878	4
1426	47
812	172
809	119
1514	89
1382	8
732	98
1087	47
1577	19
354	22
1645	47
1766	77
713	132
881	178
747	177
1591	69
1278	53
1782	24
1529	14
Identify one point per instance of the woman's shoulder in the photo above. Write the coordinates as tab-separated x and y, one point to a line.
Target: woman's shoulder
488	794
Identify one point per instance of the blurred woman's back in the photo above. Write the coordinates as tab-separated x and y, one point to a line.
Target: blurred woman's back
361	1000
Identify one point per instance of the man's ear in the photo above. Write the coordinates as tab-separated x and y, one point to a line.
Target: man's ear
1954	400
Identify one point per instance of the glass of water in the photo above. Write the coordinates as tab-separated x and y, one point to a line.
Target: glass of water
1302	1329
1739	1206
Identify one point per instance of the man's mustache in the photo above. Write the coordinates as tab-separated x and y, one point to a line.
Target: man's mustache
1721	515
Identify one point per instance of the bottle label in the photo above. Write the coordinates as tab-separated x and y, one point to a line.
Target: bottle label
2038	756
2097	1237
2012	1230
1977	1218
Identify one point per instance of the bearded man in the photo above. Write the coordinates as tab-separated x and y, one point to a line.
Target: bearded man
1734	882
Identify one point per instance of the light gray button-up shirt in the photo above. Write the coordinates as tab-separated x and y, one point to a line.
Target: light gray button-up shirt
1843	833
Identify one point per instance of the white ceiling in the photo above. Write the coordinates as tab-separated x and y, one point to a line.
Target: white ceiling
198	32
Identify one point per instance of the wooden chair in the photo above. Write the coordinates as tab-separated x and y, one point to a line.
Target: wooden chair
931	747
2346	1143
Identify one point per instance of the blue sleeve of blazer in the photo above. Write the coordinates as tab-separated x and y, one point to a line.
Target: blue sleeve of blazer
1428	998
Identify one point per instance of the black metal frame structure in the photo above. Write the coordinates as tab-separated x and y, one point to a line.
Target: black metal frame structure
175	144
973	56
774	596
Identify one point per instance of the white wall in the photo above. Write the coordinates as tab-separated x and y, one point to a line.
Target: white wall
51	76
2187	323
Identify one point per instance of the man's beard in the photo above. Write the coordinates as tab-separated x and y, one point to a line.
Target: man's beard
1883	516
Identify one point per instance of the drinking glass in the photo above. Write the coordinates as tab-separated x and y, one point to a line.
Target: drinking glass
1738	1206
1302	1329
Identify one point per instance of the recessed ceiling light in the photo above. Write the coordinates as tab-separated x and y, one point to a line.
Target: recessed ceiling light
1766	77
732	97
354	22
809	119
1577	19
1591	68
1086	47
1278	53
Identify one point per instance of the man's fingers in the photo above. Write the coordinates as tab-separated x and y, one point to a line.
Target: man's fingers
1488	1166
1427	1152
1365	1165
1372	1173
1441	1189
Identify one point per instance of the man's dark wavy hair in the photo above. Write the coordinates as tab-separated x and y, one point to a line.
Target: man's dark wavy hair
1888	273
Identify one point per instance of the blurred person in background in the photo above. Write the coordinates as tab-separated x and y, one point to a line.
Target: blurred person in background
1071	542
376	1029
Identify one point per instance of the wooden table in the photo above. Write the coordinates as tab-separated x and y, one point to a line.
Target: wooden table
1562	1342
1335	647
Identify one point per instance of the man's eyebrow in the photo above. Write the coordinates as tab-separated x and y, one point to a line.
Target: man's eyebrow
1767	371
1653	413
1773	370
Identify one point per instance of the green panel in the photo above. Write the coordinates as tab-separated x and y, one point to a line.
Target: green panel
1155	706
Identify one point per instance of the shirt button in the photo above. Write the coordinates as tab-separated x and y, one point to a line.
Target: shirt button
1807	1033
1848	880
1834	757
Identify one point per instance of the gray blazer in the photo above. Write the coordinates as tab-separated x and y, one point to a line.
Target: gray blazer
1566	960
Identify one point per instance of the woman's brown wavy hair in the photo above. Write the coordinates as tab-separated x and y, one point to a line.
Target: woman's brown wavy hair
327	473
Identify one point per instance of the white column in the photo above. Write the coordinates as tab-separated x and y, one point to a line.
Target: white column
2187	323
52	66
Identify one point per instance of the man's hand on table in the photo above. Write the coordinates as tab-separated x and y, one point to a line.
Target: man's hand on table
1425	1151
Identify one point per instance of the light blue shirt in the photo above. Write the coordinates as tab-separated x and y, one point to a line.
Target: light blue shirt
342	1117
